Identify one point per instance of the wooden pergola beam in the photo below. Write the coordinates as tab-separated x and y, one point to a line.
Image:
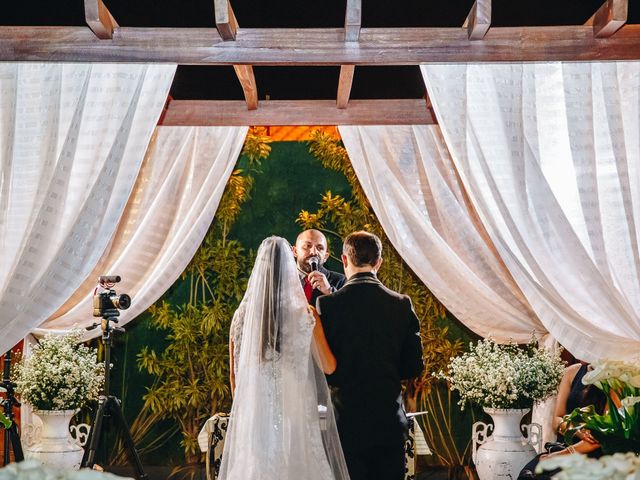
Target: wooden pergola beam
352	24
227	26
297	47
609	18
226	22
298	112
429	105
344	85
248	83
353	20
478	21
99	19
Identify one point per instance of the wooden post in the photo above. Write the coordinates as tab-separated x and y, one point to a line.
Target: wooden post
609	18
248	83
226	22
344	85
353	20
99	19
479	20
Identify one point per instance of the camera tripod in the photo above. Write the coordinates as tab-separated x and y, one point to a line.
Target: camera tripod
11	437
109	406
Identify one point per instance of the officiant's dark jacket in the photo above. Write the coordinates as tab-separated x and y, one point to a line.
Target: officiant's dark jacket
375	336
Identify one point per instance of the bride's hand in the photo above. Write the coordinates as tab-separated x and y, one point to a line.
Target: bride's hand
317	323
326	358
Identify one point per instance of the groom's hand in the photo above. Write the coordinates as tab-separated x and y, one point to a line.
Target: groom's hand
318	280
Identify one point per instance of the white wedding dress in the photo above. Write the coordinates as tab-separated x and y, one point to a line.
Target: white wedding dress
275	431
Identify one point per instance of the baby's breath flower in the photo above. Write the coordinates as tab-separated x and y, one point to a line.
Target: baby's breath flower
61	373
504	376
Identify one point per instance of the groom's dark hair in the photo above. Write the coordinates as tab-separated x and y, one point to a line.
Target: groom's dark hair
362	248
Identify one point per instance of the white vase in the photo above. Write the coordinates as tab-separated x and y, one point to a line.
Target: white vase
55	446
502	455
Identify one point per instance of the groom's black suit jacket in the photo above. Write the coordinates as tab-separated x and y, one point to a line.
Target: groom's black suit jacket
375	335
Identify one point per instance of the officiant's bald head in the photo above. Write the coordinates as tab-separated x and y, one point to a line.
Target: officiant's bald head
310	243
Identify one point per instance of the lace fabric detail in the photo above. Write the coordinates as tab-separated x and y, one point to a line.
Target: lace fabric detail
275	370
235	334
237	323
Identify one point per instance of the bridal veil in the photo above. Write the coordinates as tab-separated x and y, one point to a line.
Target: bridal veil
282	424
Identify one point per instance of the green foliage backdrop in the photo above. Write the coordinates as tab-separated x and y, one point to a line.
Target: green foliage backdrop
171	368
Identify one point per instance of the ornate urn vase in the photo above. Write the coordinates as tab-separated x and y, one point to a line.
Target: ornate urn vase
53	445
499	450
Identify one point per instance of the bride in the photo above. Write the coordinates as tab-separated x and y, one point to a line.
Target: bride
282	424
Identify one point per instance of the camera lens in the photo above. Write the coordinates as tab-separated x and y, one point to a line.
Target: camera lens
121	302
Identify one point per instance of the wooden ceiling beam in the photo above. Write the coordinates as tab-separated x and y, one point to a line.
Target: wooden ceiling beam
478	21
99	19
226	22
344	85
609	18
227	26
353	20
352	24
248	83
429	105
297	47
298	112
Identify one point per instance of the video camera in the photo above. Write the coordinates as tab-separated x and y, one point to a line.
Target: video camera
108	303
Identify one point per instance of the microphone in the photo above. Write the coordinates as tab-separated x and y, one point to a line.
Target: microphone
108	279
313	261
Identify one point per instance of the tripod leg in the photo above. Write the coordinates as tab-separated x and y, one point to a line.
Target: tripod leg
134	458
18	455
6	447
89	457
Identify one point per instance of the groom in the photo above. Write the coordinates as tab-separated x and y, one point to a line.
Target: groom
375	336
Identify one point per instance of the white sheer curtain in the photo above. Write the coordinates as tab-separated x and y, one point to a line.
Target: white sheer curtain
168	214
408	177
72	138
550	156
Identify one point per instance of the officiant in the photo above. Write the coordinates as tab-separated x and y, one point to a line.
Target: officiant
311	252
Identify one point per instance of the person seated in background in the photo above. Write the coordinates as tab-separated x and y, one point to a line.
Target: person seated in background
572	394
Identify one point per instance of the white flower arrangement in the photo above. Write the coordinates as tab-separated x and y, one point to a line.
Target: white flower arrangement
34	470
496	375
620	466
616	372
61	373
617	429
